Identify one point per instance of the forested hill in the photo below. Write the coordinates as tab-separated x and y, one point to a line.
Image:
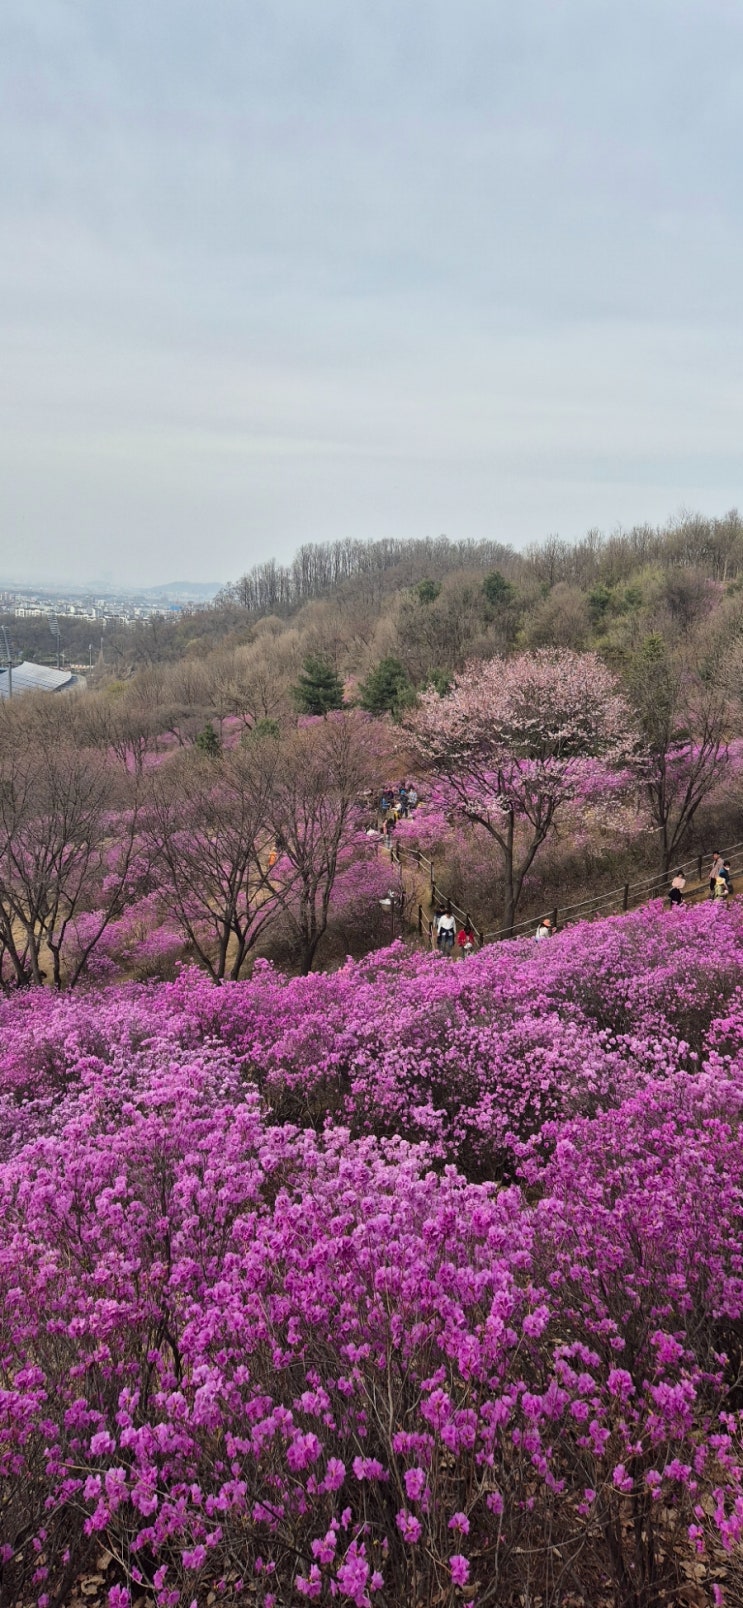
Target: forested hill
433	604
374	569
369	568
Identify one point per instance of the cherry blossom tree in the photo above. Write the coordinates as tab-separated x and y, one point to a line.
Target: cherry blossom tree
518	739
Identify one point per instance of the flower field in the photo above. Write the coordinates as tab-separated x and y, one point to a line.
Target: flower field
413	1283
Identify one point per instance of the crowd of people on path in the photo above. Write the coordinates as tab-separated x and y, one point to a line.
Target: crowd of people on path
398	802
395	803
720	882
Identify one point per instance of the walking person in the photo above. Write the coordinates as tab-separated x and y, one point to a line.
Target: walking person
676	890
446	928
466	939
721	888
544	930
714	871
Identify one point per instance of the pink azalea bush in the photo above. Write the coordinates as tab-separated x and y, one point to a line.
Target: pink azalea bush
397	1285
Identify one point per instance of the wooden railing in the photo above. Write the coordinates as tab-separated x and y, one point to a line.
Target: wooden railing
617	900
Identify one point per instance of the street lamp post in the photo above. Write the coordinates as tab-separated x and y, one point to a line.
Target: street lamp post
9	659
54	628
389	904
392	902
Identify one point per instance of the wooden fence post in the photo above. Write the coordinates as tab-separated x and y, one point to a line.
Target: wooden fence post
625	897
699	867
554	919
420	920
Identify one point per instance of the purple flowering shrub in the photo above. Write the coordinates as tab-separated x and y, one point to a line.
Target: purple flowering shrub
275	1328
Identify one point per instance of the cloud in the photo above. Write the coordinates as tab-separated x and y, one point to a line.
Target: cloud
277	272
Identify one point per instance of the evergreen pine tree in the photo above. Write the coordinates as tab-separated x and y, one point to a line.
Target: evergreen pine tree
319	688
387	688
498	591
208	742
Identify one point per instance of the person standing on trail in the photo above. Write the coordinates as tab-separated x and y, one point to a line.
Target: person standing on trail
725	872
544	930
722	887
714	871
676	890
412	797
466	939
446	928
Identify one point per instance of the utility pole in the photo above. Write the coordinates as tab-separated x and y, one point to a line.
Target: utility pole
9	661
54	628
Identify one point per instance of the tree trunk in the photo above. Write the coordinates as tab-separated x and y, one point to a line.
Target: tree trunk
308	950
509	890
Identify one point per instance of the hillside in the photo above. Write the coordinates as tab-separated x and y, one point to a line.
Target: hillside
346	1270
370	1285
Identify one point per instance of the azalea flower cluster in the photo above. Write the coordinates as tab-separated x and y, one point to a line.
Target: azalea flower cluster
405	1284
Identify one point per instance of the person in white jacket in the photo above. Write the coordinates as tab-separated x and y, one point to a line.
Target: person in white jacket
446	929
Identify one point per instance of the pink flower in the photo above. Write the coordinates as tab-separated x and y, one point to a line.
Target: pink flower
460	1569
415	1483
102	1443
409	1526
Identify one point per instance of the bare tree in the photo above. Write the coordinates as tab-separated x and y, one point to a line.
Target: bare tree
63	853
684	723
261	678
208	834
318	775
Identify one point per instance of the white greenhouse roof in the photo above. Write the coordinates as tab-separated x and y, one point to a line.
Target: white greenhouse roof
29	677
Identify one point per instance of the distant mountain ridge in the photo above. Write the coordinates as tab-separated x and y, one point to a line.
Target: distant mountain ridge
195	589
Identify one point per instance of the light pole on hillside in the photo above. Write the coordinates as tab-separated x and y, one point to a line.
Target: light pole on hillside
54	628
8	660
389	904
392	902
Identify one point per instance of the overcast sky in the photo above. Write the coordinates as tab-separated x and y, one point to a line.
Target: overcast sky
290	271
